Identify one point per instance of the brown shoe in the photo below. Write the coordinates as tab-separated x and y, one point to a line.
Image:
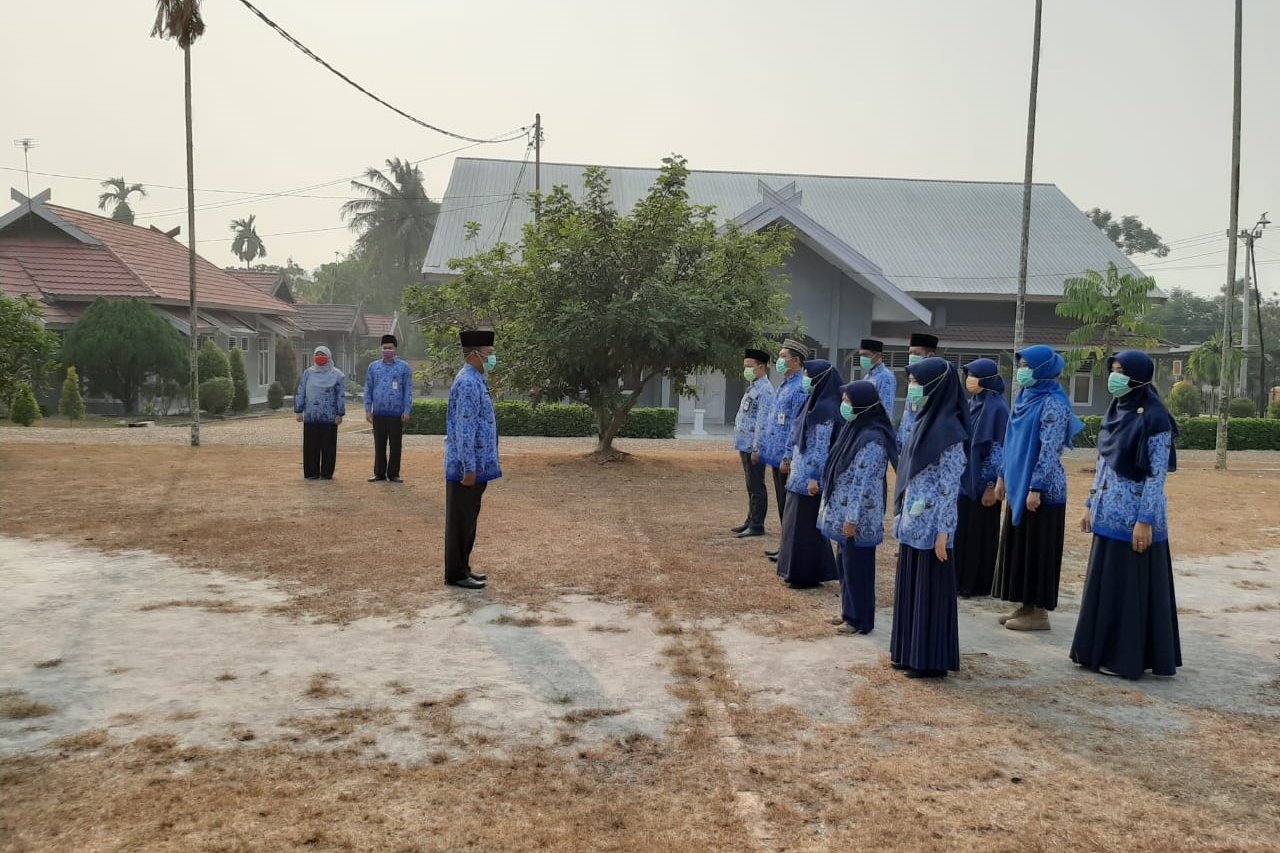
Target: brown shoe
847	629
837	620
1036	620
1022	610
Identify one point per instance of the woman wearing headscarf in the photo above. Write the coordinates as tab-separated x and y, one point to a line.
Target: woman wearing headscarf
978	529
926	634
853	495
320	405
1035	483
1128	617
804	558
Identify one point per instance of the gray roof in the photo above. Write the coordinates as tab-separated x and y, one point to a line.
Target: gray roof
957	238
326	317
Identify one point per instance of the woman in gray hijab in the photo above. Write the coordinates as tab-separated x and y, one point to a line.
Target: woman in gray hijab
320	405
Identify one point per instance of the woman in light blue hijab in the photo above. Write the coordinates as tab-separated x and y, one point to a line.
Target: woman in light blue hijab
320	405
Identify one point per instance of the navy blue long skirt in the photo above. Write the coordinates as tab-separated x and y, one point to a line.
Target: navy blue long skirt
804	557
858	586
926	629
1030	562
977	546
1128	616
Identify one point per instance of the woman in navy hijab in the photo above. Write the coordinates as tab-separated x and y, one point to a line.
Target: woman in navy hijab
978	529
804	557
1041	428
1128	617
926	639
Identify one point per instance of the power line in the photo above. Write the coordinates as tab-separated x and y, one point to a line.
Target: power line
515	190
310	53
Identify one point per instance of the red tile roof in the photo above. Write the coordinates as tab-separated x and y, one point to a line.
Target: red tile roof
71	270
377	325
261	280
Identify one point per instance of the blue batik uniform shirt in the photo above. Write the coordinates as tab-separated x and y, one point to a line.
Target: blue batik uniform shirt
909	415
748	426
471	443
929	502
775	436
886	386
1117	503
858	499
388	389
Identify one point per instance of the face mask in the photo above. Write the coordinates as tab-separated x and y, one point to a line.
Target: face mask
321	360
916	395
865	362
749	374
1026	377
1118	384
490	363
806	385
388	355
846	412
781	365
973	385
914	359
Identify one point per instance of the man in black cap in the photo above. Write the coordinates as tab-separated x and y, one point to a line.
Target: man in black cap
470	457
748	429
388	400
922	346
871	360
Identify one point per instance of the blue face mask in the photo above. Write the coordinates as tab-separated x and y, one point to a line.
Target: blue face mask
914	359
866	362
490	363
846	412
916	395
1118	384
806	385
1026	377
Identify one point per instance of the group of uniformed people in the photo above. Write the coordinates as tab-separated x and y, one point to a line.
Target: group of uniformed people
960	454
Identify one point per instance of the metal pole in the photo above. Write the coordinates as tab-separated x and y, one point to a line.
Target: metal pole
194	394
537	164
1263	392
1224	381
1243	380
1020	311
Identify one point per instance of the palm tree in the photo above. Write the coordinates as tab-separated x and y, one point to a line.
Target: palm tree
117	196
396	218
247	245
180	20
1206	366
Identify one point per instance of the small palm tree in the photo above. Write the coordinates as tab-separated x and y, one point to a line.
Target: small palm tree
117	197
396	218
1112	311
247	245
1206	365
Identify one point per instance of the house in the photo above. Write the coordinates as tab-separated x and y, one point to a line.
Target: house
67	259
351	335
874	257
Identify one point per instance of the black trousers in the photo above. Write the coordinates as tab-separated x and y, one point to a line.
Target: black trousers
319	449
780	492
757	497
387	429
461	512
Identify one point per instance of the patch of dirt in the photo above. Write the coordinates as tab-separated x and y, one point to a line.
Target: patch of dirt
17	705
210	605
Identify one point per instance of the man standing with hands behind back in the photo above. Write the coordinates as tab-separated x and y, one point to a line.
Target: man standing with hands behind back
470	457
388	400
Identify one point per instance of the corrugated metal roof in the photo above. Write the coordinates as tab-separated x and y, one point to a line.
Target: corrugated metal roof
929	237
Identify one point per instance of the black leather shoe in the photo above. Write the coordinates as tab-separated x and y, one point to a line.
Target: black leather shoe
376	479
739	528
772	553
751	531
467	583
476	577
395	480
773	558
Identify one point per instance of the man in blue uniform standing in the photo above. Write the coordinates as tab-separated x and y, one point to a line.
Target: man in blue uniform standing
922	346
470	457
776	440
871	360
747	430
388	400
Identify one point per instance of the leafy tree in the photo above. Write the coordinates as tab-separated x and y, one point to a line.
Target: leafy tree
593	301
247	245
286	364
1128	233
117	198
239	381
24	409
213	361
394	220
1186	317
71	405
1113	312
1185	400
216	394
1206	365
27	350
119	343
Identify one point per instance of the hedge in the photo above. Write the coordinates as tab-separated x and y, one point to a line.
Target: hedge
1202	433
546	419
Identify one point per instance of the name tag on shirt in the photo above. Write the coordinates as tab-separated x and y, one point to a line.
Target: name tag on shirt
782	418
395	386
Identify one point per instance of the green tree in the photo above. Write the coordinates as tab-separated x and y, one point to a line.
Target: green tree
27	350
71	405
1186	317
286	364
394	222
213	361
1113	312
1185	400
119	343
247	245
239	381
1128	233
275	396
24	409
216	394
117	198
593	302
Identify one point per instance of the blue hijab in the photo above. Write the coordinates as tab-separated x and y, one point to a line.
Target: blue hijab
823	405
870	423
1022	442
941	422
1134	418
988	419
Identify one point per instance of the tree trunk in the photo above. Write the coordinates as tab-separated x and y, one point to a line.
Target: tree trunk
610	424
194	395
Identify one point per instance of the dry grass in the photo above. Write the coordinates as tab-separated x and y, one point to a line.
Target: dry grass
208	604
17	705
91	739
586	715
531	621
323	686
49	664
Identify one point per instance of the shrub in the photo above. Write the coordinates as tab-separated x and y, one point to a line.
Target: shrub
216	394
239	382
1273	411
212	362
275	396
1202	433
72	404
1185	400
650	423
24	409
286	364
546	419
1089	437
1241	407
427	417
565	420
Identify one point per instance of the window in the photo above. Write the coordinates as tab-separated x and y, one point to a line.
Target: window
1177	367
1081	389
201	339
264	360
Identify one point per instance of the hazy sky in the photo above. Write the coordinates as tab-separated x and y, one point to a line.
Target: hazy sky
1134	115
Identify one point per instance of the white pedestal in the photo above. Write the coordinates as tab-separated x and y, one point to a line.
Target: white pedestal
698	415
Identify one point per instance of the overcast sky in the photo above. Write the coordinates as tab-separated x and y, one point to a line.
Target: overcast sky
1134	114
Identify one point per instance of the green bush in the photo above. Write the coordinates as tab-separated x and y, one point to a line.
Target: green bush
72	403
1185	400
1273	411
24	409
1241	407
212	362
239	381
1253	434
546	419
650	423
1089	437
1202	433
216	394
564	420
275	396
516	418
427	417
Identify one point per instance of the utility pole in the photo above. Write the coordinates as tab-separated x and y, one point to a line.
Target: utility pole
1251	236
537	164
1020	310
1224	380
